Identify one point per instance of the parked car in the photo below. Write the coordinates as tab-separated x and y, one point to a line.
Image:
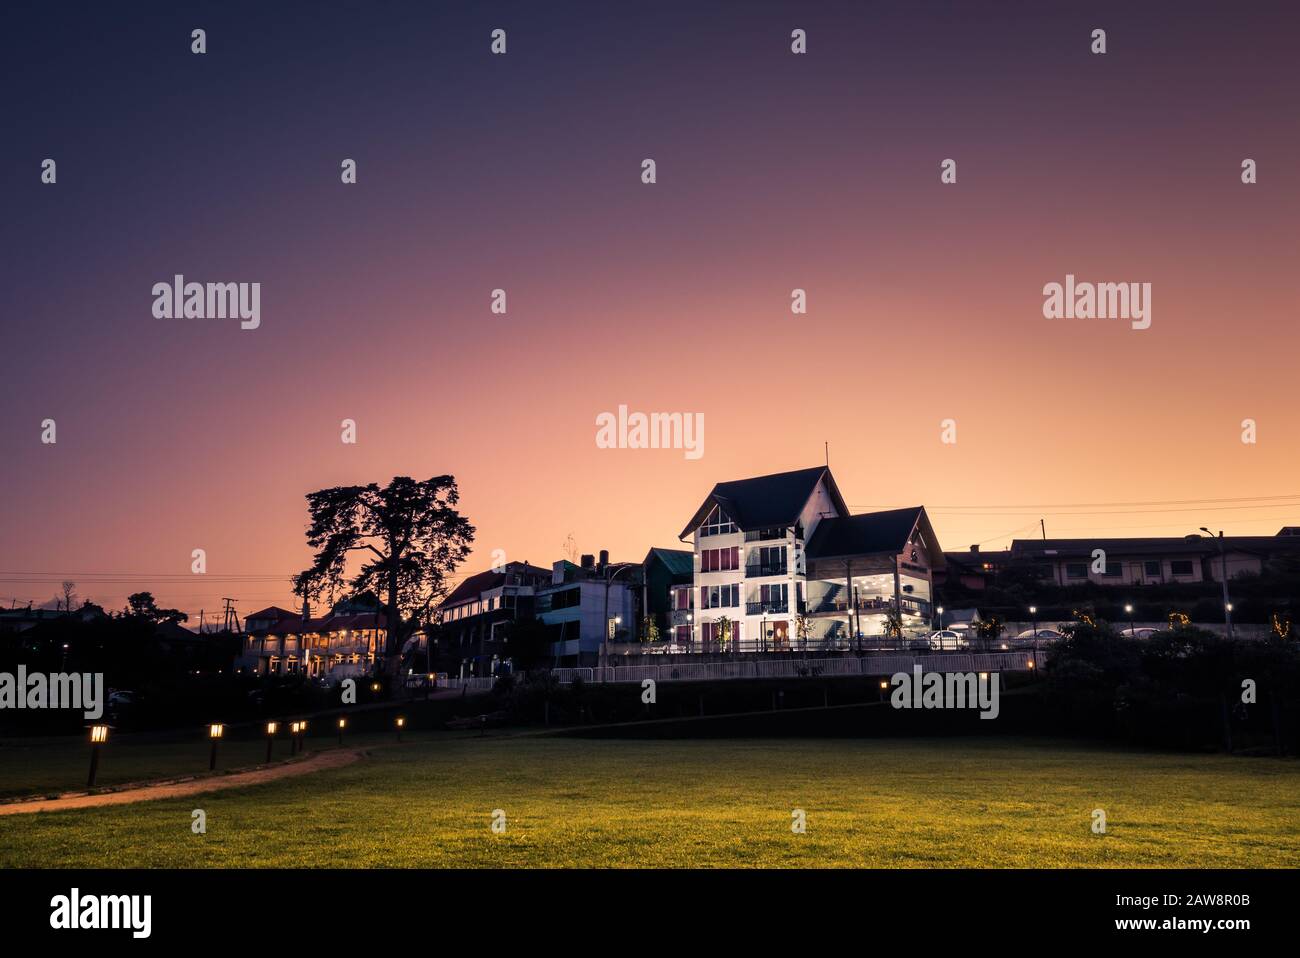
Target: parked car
1139	632
1043	635
947	639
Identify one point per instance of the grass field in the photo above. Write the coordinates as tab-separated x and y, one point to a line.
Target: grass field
570	802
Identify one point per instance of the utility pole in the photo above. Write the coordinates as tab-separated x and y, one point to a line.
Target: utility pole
229	615
1042	524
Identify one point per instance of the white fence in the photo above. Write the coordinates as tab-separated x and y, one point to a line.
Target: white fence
787	668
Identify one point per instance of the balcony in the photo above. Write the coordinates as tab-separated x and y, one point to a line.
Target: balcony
758	569
875	603
767	608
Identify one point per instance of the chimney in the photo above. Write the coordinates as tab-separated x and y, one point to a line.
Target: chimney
604	558
588	560
975	550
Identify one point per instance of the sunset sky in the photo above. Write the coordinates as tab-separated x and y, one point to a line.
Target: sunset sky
522	171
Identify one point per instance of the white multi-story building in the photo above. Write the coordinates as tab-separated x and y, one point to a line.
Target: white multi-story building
781	565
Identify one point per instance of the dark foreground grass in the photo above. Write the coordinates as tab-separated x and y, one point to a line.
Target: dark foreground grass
57	765
569	802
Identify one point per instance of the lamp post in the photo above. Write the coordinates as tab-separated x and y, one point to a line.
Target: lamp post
1227	603
1033	625
302	735
939	609
270	738
604	646
98	736
214	733
400	723
1132	632
343	723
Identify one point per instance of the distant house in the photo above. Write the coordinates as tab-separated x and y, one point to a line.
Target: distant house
1151	561
345	642
470	638
20	620
960	620
668	593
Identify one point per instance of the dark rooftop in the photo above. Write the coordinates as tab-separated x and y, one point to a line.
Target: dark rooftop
766	501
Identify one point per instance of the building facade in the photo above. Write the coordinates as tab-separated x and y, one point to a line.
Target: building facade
341	644
781	565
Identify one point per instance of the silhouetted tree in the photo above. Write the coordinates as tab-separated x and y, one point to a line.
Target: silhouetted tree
415	538
141	605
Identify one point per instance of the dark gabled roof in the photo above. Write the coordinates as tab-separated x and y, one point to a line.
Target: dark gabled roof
482	582
273	612
871	532
678	562
766	501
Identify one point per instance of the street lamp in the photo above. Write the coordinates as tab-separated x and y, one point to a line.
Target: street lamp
940	611
1033	625
1227	603
604	646
98	736
1132	632
214	733
270	738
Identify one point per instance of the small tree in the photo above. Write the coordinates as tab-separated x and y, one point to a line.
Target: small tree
990	630
801	629
649	630
723	627
893	624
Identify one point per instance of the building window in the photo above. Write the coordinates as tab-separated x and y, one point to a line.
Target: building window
1076	570
1112	570
720	560
1181	567
718	523
719	596
1152	568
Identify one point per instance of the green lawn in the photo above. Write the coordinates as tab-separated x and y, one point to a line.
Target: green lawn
571	802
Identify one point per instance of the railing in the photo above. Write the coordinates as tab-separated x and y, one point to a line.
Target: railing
791	667
767	608
796	667
766	568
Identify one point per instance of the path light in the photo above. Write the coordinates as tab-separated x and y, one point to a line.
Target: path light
270	738
343	723
400	723
98	736
214	733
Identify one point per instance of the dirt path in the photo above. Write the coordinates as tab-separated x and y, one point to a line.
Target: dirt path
315	762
